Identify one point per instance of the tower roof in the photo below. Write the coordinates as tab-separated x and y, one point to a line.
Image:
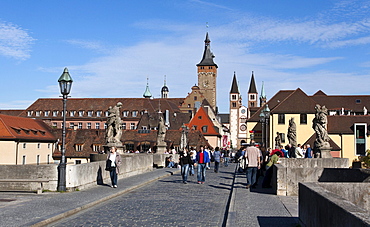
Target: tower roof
208	56
263	94
165	88
147	93
234	86
252	85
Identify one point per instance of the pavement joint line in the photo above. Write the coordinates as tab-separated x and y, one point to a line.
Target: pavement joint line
230	218
91	204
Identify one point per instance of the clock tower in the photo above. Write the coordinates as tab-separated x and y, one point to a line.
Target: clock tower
207	74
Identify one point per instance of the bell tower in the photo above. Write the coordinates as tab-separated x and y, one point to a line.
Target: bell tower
207	74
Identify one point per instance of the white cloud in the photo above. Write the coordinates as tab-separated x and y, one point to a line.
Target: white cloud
15	42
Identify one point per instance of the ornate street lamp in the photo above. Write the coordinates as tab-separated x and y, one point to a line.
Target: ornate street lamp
65	84
264	119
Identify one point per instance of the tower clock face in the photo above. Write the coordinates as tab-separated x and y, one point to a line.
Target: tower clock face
243	111
243	127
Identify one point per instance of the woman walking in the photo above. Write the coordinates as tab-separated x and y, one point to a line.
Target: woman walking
115	163
185	162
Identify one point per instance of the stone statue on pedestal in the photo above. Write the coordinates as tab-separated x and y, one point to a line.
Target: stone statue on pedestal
321	144
114	127
277	140
292	133
161	144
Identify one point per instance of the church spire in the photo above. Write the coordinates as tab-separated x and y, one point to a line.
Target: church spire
252	85
147	93
234	86
252	93
165	90
208	56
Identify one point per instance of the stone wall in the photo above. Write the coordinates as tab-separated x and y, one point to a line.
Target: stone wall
291	171
77	176
334	204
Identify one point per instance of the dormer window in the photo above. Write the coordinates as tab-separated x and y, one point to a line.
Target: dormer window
38	113
29	113
55	113
72	113
134	113
125	113
98	113
107	113
81	113
358	101
89	113
46	113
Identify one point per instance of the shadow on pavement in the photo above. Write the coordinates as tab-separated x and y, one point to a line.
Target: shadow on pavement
278	221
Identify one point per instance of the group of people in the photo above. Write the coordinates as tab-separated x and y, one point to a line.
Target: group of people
289	151
201	159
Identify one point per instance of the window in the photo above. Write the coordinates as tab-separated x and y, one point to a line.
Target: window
48	145
55	113
46	113
134	113
199	117
358	101
281	118
303	118
78	147
38	160
360	138
24	146
48	159
252	97
81	113
205	129
55	125
72	113
105	126
195	97
89	113
24	160
96	147
202	67
123	125
132	126
282	137
195	127
125	113
72	125
144	127
38	113
38	145
234	104
107	113
210	67
79	125
233	97
252	104
62	124
98	113
29	113
89	125
97	125
78	162
189	105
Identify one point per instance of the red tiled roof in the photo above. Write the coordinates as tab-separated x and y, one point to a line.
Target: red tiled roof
201	119
20	128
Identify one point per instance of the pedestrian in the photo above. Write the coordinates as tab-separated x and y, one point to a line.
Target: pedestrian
171	163
226	157
268	176
208	164
253	156
217	157
299	152
115	160
185	162
308	151
202	160
193	154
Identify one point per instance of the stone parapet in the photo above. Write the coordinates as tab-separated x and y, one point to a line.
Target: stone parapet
334	204
291	171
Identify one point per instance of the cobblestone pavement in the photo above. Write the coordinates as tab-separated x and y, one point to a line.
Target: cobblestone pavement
260	206
167	202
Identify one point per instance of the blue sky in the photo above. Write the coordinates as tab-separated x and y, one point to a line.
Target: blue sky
111	47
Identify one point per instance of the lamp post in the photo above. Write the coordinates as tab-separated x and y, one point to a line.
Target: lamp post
264	119
65	84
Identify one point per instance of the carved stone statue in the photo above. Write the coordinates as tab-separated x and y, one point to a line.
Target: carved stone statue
277	140
114	128
319	125
292	132
161	132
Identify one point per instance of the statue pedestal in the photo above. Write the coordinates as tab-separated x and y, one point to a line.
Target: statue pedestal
325	152
161	149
